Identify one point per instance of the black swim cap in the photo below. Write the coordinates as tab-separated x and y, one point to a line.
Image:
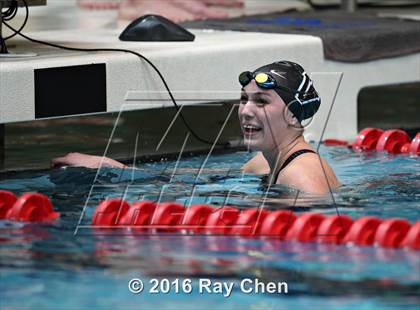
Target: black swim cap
299	94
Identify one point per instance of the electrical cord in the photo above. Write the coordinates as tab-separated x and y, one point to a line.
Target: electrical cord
10	13
113	50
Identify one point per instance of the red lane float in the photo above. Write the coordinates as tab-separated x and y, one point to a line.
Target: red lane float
167	215
415	145
110	211
363	230
195	217
334	228
367	139
412	239
221	220
30	207
277	224
249	222
7	200
391	233
305	227
335	142
140	214
394	141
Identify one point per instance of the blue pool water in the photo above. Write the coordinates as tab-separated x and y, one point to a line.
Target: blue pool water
48	266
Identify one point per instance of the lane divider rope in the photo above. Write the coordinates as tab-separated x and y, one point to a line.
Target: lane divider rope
29	207
394	141
149	216
201	219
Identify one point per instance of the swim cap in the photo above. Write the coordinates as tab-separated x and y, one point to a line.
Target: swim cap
296	88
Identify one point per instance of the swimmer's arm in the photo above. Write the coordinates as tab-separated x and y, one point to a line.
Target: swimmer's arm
85	160
257	165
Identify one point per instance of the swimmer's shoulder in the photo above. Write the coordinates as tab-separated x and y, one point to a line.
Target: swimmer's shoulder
257	165
307	174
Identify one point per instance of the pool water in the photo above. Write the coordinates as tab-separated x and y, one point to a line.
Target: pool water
66	265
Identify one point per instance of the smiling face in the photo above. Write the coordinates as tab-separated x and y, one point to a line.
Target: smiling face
263	118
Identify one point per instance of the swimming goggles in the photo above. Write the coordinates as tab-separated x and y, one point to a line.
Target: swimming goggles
263	80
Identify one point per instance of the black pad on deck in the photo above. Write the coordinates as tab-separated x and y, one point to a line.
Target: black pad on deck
348	37
155	28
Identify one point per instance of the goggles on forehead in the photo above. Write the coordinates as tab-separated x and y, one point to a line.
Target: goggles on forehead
263	80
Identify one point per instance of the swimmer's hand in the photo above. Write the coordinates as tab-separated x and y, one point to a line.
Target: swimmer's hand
85	160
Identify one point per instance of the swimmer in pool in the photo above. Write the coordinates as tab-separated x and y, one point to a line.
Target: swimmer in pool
275	99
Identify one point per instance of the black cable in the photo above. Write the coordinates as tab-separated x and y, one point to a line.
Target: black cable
118	50
11	11
3	47
13	15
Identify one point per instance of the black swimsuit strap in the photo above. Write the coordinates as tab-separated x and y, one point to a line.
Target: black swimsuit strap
290	158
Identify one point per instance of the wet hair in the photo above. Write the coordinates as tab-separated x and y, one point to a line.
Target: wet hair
297	91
